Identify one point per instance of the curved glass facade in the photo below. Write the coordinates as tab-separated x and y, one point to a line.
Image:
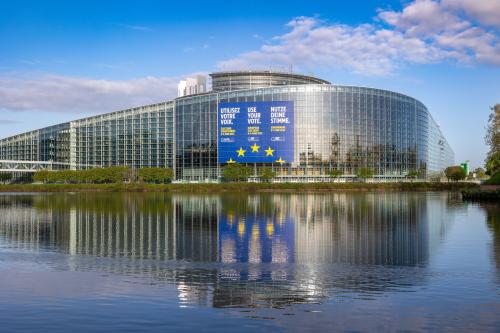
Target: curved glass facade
335	127
231	81
139	137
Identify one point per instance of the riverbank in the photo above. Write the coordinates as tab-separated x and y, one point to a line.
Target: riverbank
239	187
483	193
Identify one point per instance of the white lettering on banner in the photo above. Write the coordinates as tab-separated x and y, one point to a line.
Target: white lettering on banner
228	115
230	110
280	121
253	116
279	115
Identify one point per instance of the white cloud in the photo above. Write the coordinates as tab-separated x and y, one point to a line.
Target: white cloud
57	93
425	31
484	11
448	25
363	48
424	18
4	122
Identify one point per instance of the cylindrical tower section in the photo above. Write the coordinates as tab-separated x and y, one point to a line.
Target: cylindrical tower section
226	81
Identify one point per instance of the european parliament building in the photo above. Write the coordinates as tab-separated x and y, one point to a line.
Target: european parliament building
301	126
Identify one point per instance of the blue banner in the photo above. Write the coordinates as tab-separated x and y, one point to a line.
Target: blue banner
256	132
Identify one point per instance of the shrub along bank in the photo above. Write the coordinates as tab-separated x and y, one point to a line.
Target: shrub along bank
481	195
238	187
109	175
494	179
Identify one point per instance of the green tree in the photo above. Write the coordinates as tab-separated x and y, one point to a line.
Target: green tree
455	173
94	176
108	175
267	174
412	174
52	176
492	136
5	177
69	176
493	164
155	175
365	173
480	173
133	175
114	174
42	176
334	173
494	179
82	176
236	172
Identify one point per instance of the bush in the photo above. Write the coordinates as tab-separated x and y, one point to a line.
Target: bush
267	174
5	177
236	172
41	176
481	195
155	175
455	173
494	180
493	164
412	174
334	173
107	175
364	173
480	173
95	176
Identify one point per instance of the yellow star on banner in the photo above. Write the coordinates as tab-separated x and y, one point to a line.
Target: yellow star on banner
231	161
241	152
269	151
255	148
280	161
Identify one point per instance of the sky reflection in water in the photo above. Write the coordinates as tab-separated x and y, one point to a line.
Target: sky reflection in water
287	262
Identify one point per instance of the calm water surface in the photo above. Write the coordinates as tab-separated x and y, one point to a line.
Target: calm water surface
269	262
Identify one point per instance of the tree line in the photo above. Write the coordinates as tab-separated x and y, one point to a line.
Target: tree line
235	172
492	139
5	177
492	162
109	175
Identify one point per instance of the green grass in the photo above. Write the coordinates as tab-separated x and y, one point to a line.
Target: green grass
237	187
493	180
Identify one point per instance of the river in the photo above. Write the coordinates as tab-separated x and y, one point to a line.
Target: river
143	262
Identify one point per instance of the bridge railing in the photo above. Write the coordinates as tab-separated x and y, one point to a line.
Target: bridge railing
30	166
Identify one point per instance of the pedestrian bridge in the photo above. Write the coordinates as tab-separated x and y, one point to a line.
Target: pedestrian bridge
30	166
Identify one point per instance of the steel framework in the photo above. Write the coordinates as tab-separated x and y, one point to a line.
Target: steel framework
30	166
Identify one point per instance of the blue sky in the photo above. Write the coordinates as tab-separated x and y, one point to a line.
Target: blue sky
63	60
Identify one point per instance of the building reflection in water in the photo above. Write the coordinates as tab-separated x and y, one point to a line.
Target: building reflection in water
493	223
235	250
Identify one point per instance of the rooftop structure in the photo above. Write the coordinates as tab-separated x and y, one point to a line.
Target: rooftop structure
240	80
192	86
